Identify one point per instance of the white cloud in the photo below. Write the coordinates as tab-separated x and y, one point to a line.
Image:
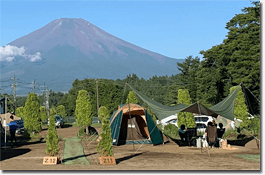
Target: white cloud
33	58
8	53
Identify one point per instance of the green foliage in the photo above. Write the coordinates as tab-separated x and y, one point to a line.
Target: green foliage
181	119
235	60
190	121
230	134
185	118
43	114
171	130
81	132
52	137
132	98
240	108
104	146
255	126
20	112
184	97
103	112
83	109
32	121
61	111
188	75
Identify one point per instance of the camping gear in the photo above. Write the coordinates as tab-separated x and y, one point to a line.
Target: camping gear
132	124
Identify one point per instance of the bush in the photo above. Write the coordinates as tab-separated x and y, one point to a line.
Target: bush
52	137
230	134
104	146
171	130
81	132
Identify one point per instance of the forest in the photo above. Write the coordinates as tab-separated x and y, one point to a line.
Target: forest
208	79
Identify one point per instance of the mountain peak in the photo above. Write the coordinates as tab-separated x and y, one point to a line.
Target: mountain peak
75	48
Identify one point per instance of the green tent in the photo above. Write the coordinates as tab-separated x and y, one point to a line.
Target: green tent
225	108
131	123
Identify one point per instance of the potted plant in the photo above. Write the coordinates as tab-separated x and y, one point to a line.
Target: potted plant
104	147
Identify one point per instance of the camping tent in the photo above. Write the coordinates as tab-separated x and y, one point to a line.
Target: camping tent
131	123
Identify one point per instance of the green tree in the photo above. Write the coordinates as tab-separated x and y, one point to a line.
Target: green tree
43	113
52	141
61	111
104	146
235	60
32	121
20	112
132	98
184	97
83	110
185	118
240	108
103	111
243	42
188	75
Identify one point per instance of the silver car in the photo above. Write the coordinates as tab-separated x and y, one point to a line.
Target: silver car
58	121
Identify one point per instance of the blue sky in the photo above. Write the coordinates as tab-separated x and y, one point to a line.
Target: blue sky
175	29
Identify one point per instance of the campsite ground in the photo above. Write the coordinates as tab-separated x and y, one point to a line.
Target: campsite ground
29	156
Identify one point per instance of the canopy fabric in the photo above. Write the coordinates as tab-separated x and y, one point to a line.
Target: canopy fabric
225	108
198	108
161	111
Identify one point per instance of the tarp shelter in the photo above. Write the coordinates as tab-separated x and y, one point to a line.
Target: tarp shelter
200	109
131	123
161	111
225	108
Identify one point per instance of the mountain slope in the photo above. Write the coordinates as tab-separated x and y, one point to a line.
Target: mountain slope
74	48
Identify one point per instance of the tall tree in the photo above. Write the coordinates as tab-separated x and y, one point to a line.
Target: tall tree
185	118
83	110
235	60
243	41
20	112
240	108
52	137
132	98
61	111
32	121
43	113
188	75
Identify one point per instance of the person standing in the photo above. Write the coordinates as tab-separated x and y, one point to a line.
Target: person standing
211	134
12	129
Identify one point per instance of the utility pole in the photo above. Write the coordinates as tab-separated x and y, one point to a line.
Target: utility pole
34	86
44	94
14	93
47	102
97	95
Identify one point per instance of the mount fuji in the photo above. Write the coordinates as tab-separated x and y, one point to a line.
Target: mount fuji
68	48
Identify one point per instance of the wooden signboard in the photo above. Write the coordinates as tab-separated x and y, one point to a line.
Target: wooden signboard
50	160
107	160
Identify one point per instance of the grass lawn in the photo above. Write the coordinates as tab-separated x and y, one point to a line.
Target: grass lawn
255	158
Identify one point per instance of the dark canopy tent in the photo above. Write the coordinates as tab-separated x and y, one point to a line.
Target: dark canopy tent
200	109
225	108
251	101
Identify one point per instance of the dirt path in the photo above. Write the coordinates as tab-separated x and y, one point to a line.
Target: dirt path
128	157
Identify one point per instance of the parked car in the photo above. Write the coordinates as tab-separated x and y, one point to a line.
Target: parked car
58	121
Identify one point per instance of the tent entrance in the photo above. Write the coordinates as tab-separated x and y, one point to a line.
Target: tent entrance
133	130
